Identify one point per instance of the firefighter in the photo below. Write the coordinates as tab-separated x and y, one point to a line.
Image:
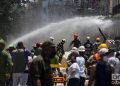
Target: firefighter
5	64
60	49
76	42
96	44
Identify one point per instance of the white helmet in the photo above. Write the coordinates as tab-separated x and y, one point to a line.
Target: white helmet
51	38
74	49
81	49
64	40
88	37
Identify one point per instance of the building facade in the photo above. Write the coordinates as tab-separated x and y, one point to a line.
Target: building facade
114	8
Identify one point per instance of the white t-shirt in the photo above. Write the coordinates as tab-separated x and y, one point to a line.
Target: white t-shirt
73	71
81	63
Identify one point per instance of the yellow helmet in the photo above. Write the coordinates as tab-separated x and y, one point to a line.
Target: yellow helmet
97	39
103	45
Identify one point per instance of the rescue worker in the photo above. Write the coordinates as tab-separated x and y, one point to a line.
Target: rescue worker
96	44
40	69
81	60
73	73
76	42
20	68
51	39
74	53
60	49
38	49
88	46
96	56
101	72
5	64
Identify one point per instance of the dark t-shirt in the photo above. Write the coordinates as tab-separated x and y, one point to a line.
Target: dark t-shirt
42	70
103	75
76	43
88	46
20	60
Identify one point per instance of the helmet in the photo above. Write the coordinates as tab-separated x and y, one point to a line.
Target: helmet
51	38
2	44
2	41
103	51
97	39
73	49
64	40
103	45
81	49
88	37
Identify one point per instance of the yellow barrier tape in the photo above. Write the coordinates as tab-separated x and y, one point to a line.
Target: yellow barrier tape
58	65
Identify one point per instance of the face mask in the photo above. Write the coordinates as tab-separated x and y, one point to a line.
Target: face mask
105	59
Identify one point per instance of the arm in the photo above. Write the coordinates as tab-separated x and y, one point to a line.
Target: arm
9	65
92	75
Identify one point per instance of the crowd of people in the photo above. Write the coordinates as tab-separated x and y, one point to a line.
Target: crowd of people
92	61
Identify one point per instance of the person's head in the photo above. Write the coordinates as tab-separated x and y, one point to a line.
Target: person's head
11	48
81	50
97	39
88	38
75	36
51	39
48	50
63	41
38	45
103	45
2	45
103	54
74	49
20	45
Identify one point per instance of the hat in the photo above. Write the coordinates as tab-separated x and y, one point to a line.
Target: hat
2	41
88	37
81	49
103	51
73	49
97	39
103	45
51	38
64	40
